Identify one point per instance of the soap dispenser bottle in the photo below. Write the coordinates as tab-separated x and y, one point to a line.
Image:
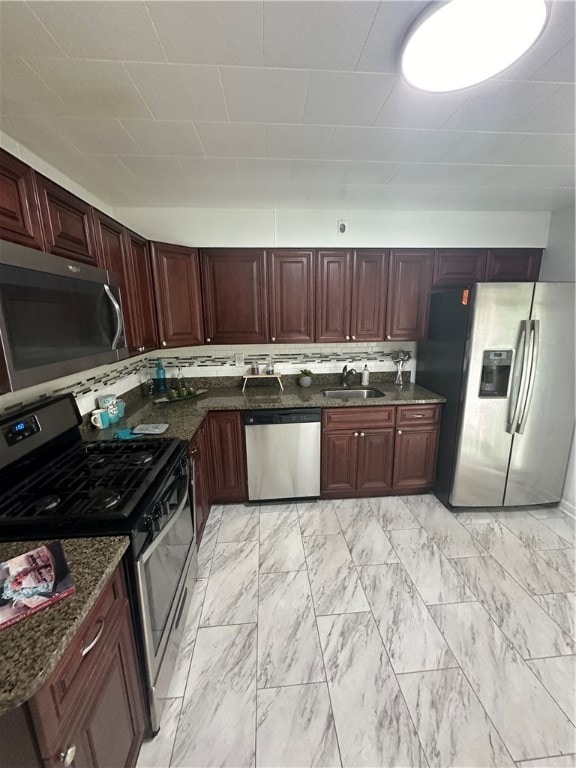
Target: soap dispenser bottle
365	376
160	377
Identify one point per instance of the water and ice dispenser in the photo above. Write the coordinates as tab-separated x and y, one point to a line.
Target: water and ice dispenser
496	369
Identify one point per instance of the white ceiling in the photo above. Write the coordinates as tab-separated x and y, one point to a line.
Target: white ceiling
279	104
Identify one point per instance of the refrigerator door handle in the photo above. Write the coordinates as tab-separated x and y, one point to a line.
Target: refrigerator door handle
522	347
534	347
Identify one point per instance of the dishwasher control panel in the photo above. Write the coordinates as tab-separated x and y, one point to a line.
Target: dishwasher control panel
282	416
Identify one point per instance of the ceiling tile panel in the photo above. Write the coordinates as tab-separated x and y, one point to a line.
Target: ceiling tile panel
408	108
338	172
265	95
316	34
207	32
116	31
232	139
92	88
22	32
444	174
23	92
35	134
195	169
94	136
555	114
346	98
362	143
298	141
384	44
165	137
180	91
267	171
560	68
512	149
496	105
535	176
421	146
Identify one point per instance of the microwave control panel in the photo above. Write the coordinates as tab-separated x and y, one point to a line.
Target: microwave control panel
20	430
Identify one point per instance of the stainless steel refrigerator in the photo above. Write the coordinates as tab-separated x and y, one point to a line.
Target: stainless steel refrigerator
503	356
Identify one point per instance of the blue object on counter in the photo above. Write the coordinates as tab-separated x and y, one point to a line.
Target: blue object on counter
161	377
124	434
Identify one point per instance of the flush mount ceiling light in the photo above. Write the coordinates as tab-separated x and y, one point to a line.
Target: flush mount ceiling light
465	42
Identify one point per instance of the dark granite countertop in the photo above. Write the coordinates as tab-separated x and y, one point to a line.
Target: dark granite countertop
31	649
184	417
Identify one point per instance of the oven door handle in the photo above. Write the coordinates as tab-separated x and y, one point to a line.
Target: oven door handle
149	551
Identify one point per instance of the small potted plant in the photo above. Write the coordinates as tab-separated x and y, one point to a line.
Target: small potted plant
305	379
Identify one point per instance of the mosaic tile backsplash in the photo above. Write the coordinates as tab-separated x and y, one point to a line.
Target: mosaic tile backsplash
213	361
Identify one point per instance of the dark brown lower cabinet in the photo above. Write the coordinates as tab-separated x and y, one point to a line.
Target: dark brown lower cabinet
199	453
228	457
357	451
363	455
90	713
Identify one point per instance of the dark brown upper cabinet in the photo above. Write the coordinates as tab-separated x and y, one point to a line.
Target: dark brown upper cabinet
410	279
369	289
291	277
234	289
66	222
145	327
19	217
351	295
177	280
513	264
333	295
458	267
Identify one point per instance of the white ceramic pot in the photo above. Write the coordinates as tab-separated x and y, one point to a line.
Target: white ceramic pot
305	381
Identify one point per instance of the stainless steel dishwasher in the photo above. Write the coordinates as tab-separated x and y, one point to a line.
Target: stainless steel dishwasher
283	453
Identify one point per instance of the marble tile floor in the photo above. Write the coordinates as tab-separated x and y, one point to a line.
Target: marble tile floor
376	632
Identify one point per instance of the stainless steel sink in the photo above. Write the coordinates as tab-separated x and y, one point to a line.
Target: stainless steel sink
358	394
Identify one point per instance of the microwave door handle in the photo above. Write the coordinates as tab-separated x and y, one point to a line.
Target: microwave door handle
118	314
534	349
514	403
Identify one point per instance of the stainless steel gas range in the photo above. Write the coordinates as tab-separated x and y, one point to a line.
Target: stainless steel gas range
56	486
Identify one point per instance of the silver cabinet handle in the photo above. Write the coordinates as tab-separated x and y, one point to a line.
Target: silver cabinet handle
416	415
347	338
354	338
208	340
355	434
92	643
118	313
193	452
361	434
273	338
67	757
163	343
399	432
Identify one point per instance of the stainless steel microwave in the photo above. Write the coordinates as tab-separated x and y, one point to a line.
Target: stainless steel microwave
57	317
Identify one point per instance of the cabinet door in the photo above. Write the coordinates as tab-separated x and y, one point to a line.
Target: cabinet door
369	284
66	222
234	289
19	214
458	266
113	255
177	279
414	458
110	733
199	454
339	462
409	294
333	295
511	265
291	277
375	460
228	457
140	266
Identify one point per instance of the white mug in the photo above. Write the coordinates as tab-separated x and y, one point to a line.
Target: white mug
100	418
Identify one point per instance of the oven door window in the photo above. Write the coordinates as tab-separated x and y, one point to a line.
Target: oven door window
163	568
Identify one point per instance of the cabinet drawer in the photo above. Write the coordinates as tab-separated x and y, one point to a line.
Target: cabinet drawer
417	415
357	418
68	685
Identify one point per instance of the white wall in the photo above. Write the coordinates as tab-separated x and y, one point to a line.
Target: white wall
292	228
559	262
